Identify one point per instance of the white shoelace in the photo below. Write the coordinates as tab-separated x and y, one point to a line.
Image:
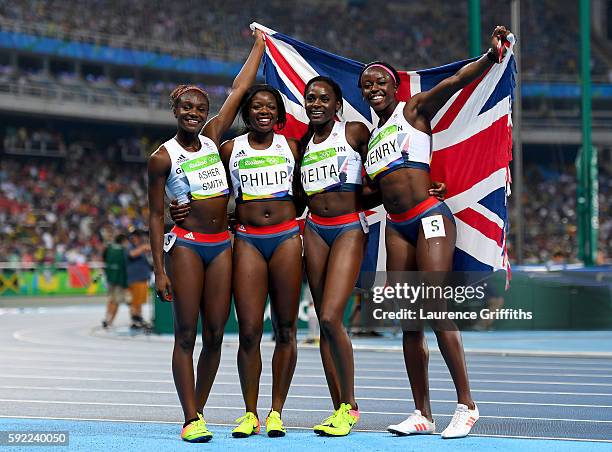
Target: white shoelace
459	418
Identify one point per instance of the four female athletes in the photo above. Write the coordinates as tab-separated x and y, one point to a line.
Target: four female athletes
267	173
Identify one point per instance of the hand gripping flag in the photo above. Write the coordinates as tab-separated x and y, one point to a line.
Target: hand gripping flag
471	142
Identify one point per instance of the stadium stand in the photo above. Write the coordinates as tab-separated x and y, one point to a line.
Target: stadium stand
64	211
409	34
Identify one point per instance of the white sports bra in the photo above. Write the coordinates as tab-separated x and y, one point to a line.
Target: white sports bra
332	165
200	174
395	145
262	174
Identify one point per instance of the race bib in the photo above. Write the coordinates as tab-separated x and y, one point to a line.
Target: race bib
383	152
169	240
433	226
264	177
320	171
206	176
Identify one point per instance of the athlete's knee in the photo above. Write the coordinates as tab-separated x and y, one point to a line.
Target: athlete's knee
250	337
330	325
285	332
185	337
447	333
213	338
415	338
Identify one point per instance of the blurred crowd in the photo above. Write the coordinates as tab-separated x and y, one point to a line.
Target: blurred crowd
66	211
37	139
549	212
100	87
408	33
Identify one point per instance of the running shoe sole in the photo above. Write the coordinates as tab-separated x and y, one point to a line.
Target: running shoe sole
204	439
276	434
399	433
242	435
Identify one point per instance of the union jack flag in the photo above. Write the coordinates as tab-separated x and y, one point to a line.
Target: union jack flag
471	142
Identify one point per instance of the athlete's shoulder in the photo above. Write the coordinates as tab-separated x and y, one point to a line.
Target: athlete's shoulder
160	155
159	162
295	146
357	134
226	149
358	128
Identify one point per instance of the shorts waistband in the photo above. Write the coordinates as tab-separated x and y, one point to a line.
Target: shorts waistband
271	229
334	221
415	211
200	236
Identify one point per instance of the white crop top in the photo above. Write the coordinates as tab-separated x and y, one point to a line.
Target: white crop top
265	174
332	165
397	144
200	174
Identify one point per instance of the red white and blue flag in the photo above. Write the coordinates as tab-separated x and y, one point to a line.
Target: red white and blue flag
472	140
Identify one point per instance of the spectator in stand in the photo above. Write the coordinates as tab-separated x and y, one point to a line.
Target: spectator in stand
138	275
115	268
366	29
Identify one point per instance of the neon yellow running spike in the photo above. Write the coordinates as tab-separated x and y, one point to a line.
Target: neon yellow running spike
320	428
248	425
196	431
274	425
342	423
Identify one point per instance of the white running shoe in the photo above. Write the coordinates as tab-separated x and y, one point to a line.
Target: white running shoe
415	424
462	422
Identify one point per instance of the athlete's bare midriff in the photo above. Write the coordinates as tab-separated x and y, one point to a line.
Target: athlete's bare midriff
404	188
208	216
265	213
333	204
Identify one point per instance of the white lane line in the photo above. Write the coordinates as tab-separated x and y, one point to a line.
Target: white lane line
321	376
68	349
309	410
70	343
484	391
298	372
554	438
291	396
10	359
300	385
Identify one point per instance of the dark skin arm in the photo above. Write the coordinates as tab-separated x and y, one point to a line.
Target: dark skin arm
158	169
421	108
299	196
219	124
225	151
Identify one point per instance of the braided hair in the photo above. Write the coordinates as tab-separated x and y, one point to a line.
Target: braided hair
177	92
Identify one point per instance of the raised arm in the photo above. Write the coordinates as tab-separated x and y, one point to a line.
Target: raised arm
219	124
430	102
158	168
